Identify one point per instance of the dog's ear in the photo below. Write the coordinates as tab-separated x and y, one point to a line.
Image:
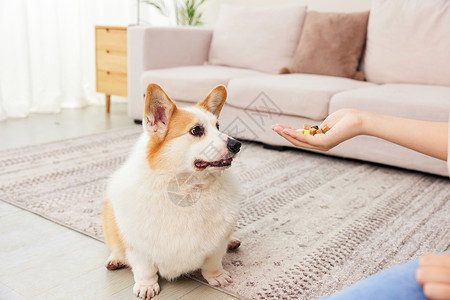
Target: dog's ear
215	100
158	110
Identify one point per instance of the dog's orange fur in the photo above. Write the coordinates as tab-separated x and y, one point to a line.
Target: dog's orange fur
180	123
204	103
154	90
112	234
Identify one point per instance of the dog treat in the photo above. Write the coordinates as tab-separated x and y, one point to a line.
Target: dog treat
307	129
313	130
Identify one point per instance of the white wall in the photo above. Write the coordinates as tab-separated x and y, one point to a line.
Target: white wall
212	6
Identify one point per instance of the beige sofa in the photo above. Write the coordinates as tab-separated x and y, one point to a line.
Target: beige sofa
176	58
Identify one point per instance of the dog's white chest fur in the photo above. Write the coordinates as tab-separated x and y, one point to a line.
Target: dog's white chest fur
176	238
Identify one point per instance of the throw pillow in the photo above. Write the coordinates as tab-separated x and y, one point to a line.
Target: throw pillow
330	44
258	38
408	41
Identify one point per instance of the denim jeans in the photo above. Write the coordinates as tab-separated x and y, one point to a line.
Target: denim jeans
396	283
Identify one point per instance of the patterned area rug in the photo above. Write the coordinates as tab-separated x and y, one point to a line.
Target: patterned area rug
310	224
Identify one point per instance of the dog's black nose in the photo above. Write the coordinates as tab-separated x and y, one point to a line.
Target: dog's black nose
233	145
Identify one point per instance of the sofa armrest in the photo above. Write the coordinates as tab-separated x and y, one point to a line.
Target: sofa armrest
161	47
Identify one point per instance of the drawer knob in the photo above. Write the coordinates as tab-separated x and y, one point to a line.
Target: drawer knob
107	51
107	72
107	29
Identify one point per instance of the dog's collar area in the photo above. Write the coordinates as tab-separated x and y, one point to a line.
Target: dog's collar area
200	164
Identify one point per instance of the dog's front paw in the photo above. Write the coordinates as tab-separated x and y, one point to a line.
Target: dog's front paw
221	278
114	263
233	244
146	291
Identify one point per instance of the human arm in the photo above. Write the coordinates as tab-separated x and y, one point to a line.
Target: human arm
429	138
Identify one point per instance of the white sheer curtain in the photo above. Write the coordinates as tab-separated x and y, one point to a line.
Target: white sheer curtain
47	52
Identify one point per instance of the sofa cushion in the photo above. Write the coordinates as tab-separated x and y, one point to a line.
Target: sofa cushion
259	38
192	83
331	44
302	95
408	41
423	102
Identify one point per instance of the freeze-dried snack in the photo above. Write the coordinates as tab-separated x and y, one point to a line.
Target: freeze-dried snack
313	130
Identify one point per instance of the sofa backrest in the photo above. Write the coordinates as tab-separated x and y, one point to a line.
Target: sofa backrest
258	38
408	41
212	7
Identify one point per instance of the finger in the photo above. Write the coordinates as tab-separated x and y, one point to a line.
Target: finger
433	274
437	291
303	138
298	139
435	260
296	142
316	142
277	128
324	123
281	127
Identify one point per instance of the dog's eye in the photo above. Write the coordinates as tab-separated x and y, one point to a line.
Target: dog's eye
217	126
196	131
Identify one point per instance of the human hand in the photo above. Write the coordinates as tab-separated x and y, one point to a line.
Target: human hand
433	275
344	124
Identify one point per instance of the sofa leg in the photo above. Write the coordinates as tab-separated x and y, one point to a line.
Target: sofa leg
138	122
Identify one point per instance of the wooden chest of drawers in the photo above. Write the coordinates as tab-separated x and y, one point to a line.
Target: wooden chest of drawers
111	61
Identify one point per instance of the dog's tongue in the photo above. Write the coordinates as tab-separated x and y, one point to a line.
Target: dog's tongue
201	164
219	163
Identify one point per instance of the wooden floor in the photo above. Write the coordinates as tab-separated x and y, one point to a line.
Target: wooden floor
43	260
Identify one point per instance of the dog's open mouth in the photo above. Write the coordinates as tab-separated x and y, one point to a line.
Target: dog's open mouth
200	164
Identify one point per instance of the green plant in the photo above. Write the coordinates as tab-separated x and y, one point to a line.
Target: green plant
188	14
186	11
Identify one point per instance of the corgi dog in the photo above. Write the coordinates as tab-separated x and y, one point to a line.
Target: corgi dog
173	204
